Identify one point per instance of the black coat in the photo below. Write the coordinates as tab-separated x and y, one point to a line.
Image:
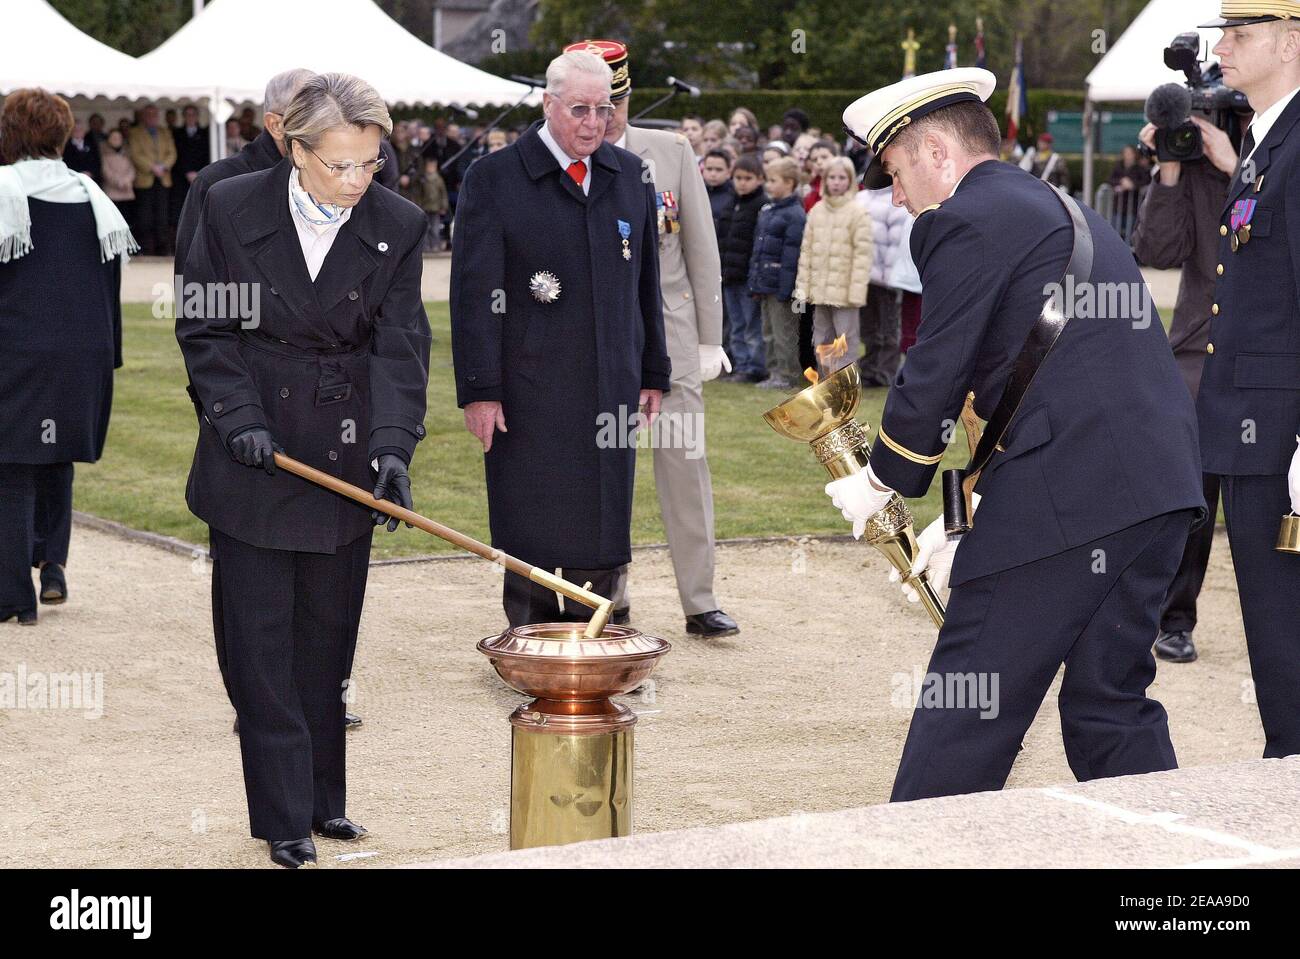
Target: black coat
557	495
1178	228
336	370
723	200
192	153
261	154
61	326
738	242
84	159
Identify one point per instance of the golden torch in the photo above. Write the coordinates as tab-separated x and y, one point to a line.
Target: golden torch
823	416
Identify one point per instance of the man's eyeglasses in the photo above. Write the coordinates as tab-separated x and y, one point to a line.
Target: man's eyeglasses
342	170
580	111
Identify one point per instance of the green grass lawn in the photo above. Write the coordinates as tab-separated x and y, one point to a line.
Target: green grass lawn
763	484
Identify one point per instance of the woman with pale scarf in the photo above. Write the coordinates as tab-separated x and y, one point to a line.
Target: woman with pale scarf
332	370
62	242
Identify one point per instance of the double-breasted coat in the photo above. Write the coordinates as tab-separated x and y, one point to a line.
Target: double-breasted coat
335	369
559	482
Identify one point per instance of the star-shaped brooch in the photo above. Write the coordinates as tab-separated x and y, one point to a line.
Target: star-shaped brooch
545	286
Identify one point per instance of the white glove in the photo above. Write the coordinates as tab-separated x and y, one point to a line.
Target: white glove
713	360
1293	479
858	498
935	553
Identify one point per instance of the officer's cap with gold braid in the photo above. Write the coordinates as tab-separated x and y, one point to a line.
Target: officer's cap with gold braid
1241	13
615	55
877	118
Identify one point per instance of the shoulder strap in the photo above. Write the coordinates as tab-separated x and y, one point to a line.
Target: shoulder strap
1046	331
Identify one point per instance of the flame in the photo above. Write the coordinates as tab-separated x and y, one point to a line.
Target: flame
812	376
828	352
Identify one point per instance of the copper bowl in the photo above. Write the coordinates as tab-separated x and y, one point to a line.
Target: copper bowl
556	663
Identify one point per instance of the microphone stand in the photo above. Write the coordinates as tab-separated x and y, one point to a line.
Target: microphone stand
532	85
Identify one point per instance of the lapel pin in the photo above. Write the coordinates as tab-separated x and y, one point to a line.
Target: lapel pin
383	247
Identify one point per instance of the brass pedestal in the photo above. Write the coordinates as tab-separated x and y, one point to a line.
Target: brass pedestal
571	747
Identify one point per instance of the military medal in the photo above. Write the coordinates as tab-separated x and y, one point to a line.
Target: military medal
545	286
1243	211
625	231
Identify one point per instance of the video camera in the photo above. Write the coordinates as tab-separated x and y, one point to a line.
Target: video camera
1171	106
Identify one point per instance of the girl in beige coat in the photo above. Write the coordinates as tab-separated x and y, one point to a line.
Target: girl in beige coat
835	265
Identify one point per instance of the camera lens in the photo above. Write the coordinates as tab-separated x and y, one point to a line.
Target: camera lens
1184	143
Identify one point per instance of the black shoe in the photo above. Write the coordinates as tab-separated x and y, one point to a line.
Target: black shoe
343	829
292	853
621	617
26	617
714	623
351	721
1176	647
54	585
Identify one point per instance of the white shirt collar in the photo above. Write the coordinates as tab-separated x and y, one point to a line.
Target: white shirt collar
621	142
1263	122
562	158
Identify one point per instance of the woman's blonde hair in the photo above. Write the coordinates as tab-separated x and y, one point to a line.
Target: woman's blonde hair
327	101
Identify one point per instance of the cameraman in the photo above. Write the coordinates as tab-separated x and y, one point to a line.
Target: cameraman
1178	226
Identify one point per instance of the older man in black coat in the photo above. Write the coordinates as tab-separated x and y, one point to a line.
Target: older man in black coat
557	335
266	150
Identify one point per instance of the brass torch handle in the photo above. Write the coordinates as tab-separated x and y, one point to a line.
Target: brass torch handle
603	607
929	598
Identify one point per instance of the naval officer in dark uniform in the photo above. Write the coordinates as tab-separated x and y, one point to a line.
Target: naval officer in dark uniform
333	368
1249	403
558	336
1089	495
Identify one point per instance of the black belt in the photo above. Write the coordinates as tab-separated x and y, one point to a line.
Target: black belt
1042	338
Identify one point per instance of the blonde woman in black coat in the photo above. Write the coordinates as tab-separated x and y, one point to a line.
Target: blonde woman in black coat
332	369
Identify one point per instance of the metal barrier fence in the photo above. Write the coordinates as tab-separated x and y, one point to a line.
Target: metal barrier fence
1119	207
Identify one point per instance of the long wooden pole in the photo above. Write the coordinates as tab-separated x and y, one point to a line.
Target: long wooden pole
603	607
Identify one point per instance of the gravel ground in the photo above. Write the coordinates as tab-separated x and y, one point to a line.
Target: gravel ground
801	712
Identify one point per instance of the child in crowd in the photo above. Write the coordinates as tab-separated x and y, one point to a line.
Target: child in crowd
772	269
435	205
822	152
835	262
748	356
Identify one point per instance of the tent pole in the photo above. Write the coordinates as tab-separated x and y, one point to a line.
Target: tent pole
1088	151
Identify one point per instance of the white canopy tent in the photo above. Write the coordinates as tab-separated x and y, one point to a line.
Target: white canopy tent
1134	65
39	48
234	46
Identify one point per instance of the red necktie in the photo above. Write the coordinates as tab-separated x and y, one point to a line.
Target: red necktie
578	170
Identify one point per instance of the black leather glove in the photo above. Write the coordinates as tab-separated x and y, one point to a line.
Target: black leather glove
394	485
254	447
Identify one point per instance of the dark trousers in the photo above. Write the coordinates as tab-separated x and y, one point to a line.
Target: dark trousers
35	527
1268	584
880	323
150	228
286	627
527	602
1094	608
53	527
1179	615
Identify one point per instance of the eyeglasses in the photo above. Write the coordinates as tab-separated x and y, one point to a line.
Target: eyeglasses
342	170
580	111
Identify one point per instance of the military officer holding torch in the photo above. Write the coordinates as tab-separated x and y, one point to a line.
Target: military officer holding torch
690	276
1249	403
1085	501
